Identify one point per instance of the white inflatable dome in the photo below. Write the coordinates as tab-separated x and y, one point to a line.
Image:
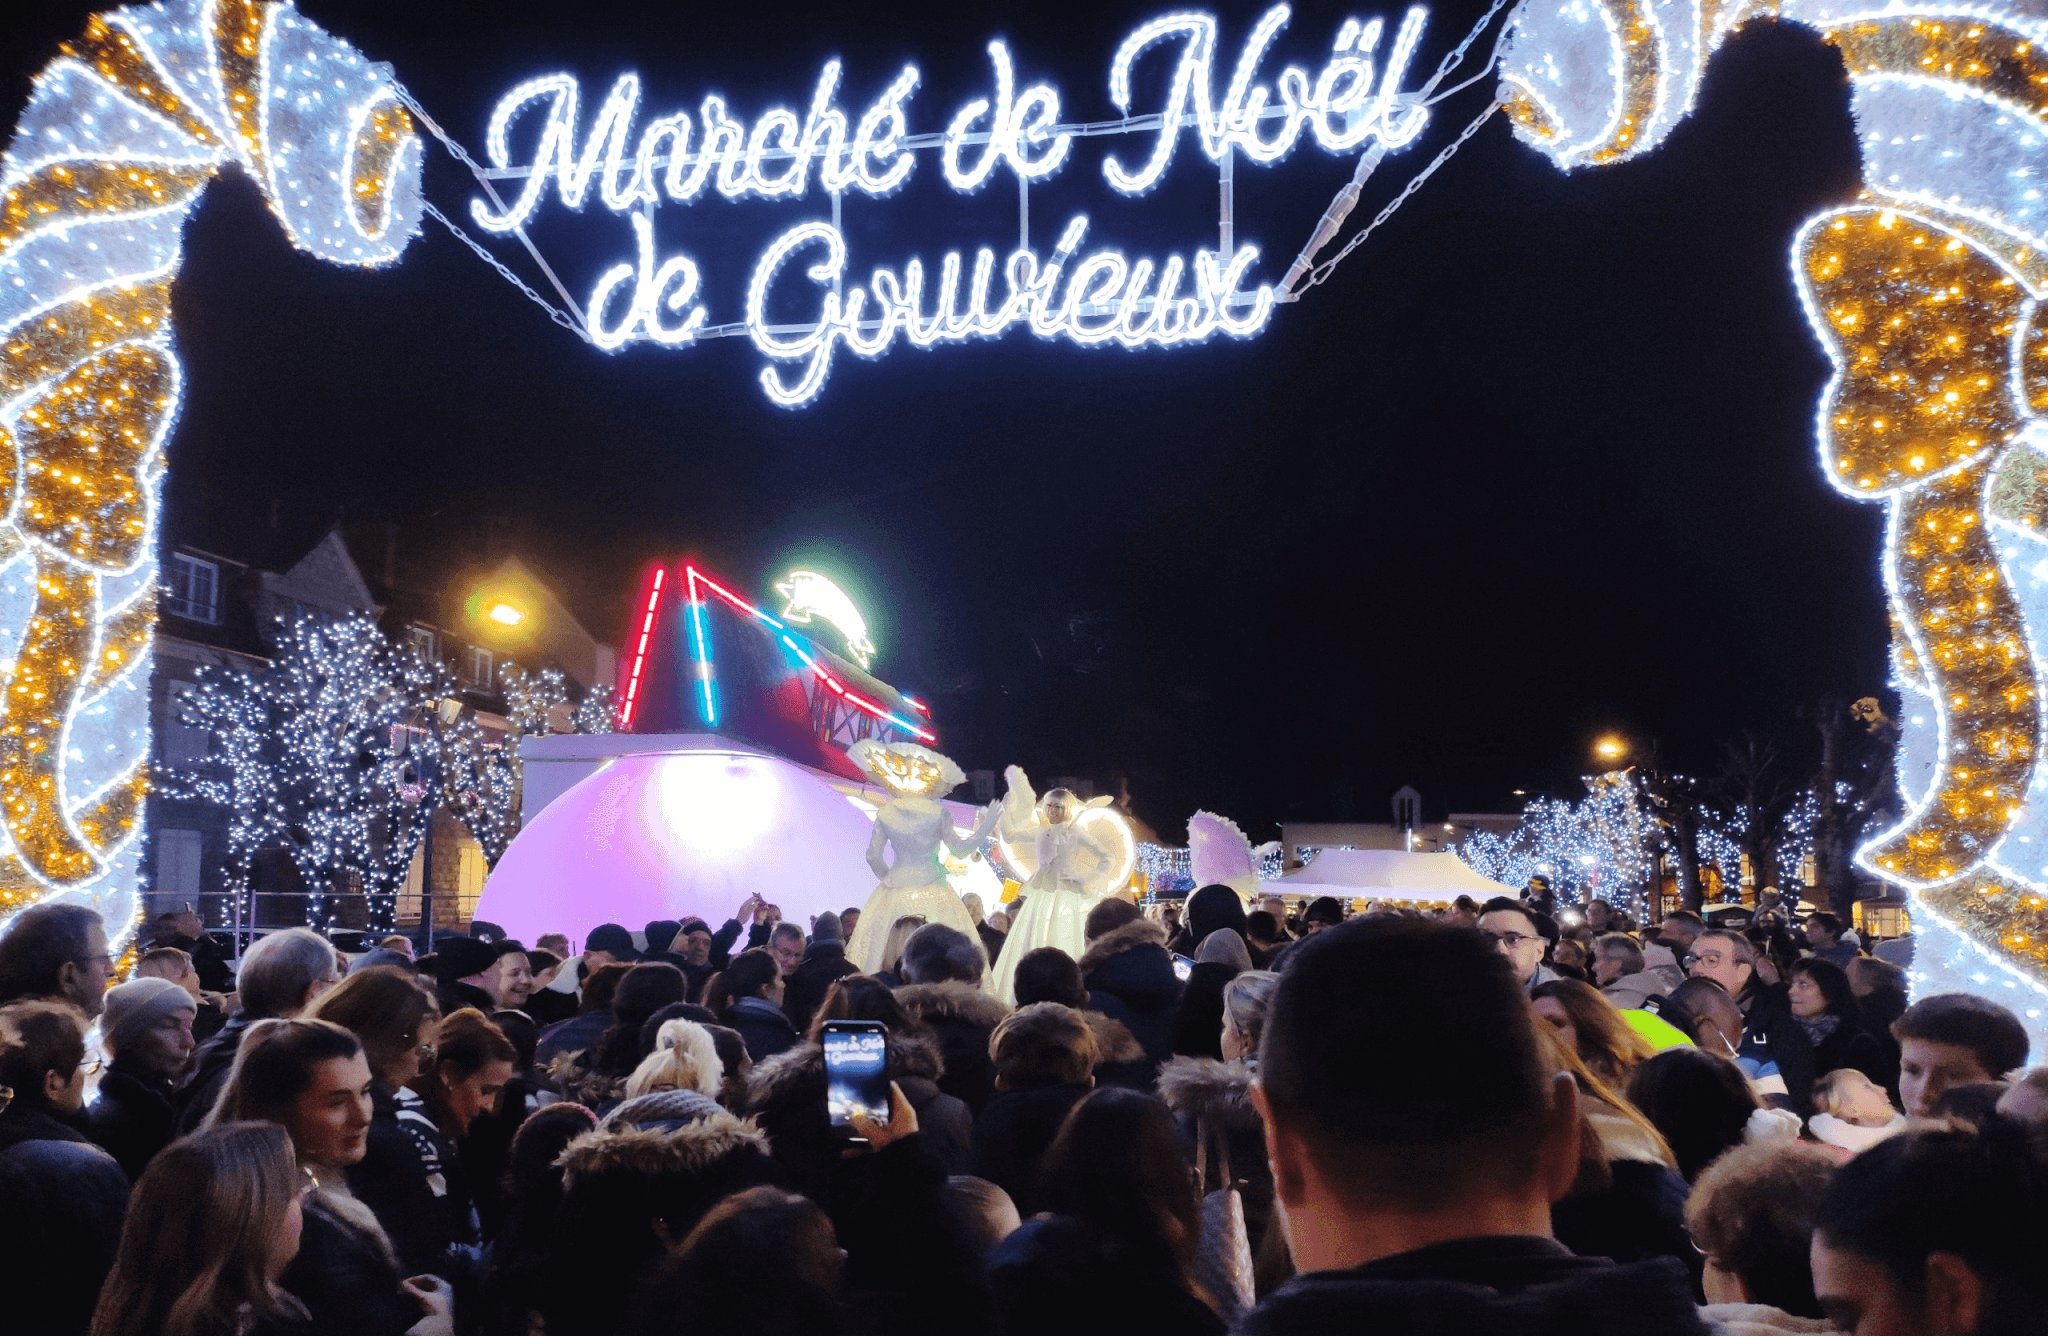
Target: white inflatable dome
664	835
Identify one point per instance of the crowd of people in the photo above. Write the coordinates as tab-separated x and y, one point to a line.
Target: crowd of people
1281	1122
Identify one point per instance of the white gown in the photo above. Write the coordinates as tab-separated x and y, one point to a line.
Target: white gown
916	882
1055	902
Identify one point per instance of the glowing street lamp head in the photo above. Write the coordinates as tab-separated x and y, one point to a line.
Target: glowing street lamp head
1611	748
504	614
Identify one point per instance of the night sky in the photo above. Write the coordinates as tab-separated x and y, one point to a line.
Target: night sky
1536	463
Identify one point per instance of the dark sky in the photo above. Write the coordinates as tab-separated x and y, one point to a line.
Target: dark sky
1536	462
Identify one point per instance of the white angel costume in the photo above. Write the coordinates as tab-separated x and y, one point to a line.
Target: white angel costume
915	825
1072	854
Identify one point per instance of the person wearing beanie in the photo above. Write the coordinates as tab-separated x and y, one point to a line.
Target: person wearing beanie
1211	908
609	944
147	1028
456	959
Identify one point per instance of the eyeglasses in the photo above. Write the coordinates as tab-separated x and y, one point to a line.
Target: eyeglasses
1713	960
91	1066
1510	940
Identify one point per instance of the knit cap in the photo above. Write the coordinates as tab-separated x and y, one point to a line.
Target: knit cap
135	1006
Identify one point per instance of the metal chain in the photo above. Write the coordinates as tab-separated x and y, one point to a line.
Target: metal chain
560	317
1322	271
1456	55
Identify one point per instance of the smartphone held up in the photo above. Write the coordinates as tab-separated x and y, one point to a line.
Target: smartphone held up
856	1073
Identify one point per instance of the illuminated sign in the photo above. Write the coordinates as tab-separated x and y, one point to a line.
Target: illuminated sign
538	136
811	596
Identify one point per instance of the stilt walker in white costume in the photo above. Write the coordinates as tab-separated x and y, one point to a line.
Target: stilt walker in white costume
1072	852
915	825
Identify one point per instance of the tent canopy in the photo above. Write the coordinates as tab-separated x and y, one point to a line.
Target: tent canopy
1386	874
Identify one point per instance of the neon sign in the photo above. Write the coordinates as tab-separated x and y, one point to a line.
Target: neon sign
1353	102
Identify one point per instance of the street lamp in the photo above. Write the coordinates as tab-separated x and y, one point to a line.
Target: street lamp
504	614
1611	748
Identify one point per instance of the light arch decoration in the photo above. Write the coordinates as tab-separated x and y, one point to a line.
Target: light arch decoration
122	133
1927	292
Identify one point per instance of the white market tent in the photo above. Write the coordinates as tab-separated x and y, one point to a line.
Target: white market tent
1386	874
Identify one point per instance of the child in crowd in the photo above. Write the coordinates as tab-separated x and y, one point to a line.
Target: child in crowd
1852	1111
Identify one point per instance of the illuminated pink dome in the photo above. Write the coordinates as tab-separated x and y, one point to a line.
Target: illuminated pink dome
665	835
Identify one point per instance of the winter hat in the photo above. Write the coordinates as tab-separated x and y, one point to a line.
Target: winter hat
370	960
661	934
1213	907
612	939
1224	947
667	1109
135	1006
1323	909
458	958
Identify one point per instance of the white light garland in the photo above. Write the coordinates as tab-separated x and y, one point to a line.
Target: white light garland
120	135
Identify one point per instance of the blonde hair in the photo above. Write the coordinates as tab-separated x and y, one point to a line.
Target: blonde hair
1831	1092
684	1058
900	933
199	1236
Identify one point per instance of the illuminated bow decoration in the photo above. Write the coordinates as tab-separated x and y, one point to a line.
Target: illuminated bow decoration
1942	364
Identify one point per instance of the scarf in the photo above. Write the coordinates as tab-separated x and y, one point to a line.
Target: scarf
1818	1027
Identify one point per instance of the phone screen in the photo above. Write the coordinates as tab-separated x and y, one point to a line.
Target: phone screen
856	1071
1182	967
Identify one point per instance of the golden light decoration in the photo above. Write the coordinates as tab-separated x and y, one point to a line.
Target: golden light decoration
122	132
1926	294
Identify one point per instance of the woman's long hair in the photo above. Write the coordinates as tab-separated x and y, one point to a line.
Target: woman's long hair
647	988
274	1066
749	973
384	1007
861	997
468	1043
1608	1046
1118	1163
201	1235
1833	982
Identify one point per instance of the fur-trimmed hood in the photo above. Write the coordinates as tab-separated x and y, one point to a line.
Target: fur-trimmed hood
651	1152
951	1000
1212	1092
1132	935
800	1072
1115	1045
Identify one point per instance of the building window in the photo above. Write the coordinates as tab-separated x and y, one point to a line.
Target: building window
423	640
182	744
177	866
478	668
192	589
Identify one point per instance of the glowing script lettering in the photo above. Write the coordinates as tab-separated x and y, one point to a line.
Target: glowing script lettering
537	136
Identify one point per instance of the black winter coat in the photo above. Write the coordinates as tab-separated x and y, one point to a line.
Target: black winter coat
578	1034
961	1017
1067	1275
1851	1046
807	984
132	1119
786	1097
391	1180
346	1278
1510	1286
1130	978
1012	1134
200	1090
762	1028
62	1200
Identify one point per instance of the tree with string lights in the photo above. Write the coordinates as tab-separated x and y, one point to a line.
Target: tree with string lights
337	690
240	768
